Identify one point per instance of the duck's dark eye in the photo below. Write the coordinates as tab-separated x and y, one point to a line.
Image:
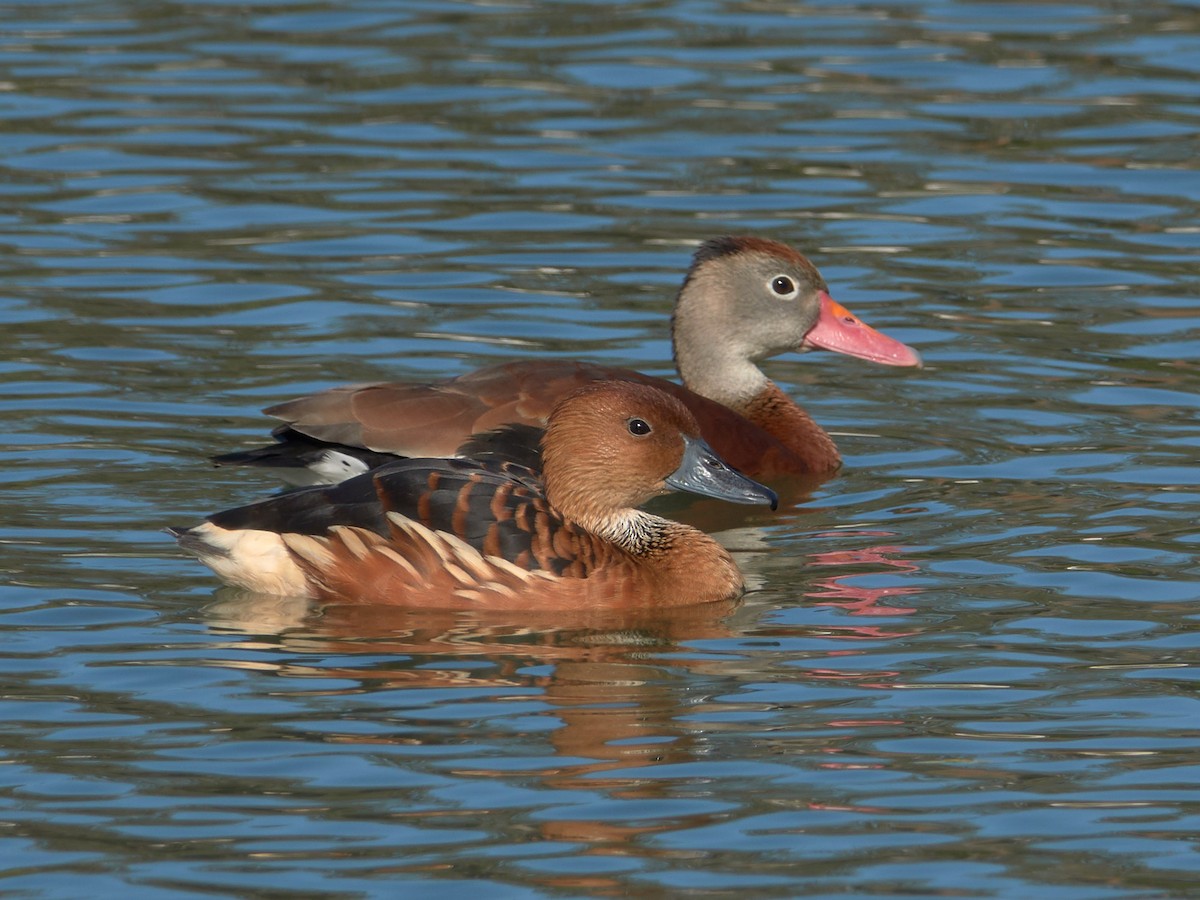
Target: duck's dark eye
639	427
782	285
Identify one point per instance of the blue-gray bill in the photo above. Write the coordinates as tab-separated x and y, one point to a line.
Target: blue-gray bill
703	472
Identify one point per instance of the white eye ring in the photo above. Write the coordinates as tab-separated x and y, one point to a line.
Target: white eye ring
783	286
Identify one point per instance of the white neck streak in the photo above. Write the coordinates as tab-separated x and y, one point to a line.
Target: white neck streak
634	530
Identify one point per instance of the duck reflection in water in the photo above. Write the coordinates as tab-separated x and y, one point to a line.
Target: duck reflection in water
857	599
588	700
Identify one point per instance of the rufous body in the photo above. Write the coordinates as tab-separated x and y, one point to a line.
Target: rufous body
460	534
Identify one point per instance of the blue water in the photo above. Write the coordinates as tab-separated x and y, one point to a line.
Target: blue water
966	667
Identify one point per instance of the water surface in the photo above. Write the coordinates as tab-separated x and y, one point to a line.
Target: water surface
966	667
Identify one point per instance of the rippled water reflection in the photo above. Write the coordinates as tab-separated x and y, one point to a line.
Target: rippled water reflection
967	665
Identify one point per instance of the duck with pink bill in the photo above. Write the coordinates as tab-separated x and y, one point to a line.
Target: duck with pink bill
744	299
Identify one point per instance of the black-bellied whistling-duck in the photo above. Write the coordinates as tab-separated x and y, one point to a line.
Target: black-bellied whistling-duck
744	299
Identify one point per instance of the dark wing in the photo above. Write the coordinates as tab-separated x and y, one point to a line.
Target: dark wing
515	443
498	508
294	450
312	510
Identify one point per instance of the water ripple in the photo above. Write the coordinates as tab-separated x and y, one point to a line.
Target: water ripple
964	667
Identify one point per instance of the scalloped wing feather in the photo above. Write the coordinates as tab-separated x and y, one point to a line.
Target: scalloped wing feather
418	564
497	509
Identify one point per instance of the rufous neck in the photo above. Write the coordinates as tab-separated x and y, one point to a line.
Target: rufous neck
776	413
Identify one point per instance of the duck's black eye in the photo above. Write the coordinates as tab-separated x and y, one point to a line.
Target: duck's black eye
639	427
782	285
